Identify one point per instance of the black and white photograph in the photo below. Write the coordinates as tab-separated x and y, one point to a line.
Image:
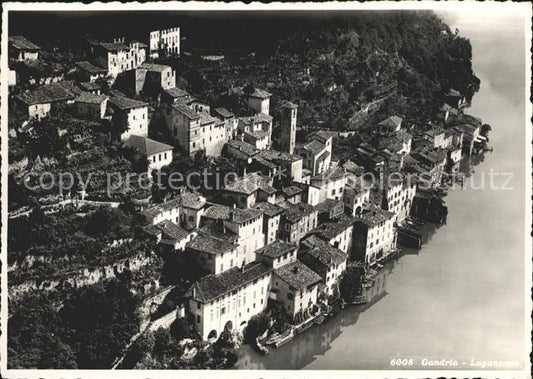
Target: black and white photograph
248	188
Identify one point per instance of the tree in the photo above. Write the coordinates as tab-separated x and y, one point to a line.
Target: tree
109	223
256	326
351	284
181	328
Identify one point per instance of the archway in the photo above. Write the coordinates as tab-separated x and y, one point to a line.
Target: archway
228	327
358	211
212	334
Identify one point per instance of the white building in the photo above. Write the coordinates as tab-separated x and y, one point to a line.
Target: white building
330	183
164	42
374	236
119	56
156	154
227	301
259	101
23	50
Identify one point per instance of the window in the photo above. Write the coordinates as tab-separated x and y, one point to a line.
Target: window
199	305
222	310
222	267
198	319
290	296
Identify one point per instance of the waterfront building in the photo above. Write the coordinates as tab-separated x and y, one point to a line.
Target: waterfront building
374	236
227	301
165	42
324	259
338	232
129	116
295	286
22	50
398	197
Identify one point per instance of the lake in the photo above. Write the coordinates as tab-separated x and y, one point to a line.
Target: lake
460	296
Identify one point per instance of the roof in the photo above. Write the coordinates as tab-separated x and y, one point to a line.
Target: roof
258	134
22	43
192	200
213	286
295	212
392	121
288	104
297	275
313	146
91	68
176	92
186	111
124	103
277	249
331	174
146	146
208	243
87	97
351	166
114	46
89	86
154	67
291	190
328	204
244	147
279	156
373	216
259	93
170	232
322	252
49	93
236	215
269	209
250	184
321	135
158	208
224	112
330	230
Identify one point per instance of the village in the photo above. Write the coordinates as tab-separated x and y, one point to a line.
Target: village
297	230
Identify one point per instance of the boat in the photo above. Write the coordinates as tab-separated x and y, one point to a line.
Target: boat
320	319
273	338
284	338
260	348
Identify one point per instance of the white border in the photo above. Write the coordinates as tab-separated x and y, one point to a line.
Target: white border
200	6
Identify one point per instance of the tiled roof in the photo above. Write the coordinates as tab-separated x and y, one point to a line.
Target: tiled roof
294	212
158	208
332	229
212	286
22	43
328	204
125	103
313	146
176	92
393	121
291	190
244	147
208	243
259	93
87	97
91	68
288	104
186	111
269	209
321	135
373	216
89	86
146	146
279	156
322	252
154	67
114	46
192	200
351	166
237	215
250	184
297	275
49	93
277	249
334	173
257	135
170	231
224	113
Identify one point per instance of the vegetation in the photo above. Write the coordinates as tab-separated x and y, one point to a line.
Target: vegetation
351	284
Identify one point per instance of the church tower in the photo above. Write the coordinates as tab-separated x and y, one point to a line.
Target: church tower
287	135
